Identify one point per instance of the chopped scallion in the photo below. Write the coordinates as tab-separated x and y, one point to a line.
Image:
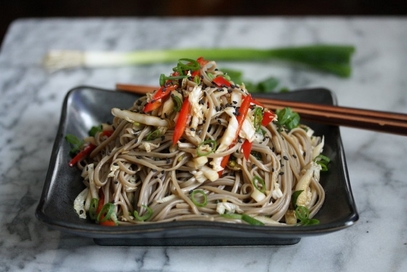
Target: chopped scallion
146	216
199	202
252	221
211	143
323	161
259	184
93	208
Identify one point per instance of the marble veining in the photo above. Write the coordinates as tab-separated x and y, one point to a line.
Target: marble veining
30	104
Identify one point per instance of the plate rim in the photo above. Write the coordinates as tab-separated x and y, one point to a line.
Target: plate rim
97	231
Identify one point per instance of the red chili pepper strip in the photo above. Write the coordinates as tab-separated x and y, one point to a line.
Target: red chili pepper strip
247	148
160	94
86	151
107	133
243	110
202	61
268	116
99	208
220	81
181	121
150	106
196	73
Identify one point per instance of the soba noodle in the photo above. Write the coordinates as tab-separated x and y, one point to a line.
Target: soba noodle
145	177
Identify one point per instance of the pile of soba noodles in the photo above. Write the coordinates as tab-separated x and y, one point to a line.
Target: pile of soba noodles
199	148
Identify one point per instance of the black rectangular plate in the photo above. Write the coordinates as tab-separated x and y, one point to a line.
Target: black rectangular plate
85	107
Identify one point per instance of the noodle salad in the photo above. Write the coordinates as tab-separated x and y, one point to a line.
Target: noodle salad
200	147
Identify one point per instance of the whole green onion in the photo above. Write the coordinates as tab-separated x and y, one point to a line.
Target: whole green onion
335	59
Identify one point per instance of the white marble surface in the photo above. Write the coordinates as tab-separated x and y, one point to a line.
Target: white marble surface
30	104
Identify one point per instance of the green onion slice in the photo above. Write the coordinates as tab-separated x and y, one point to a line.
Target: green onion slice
187	64
209	142
197	202
106	213
146	215
231	215
153	135
164	78
93	208
323	161
252	221
258	118
177	102
259	184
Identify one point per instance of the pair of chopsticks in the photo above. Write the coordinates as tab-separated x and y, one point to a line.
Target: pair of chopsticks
381	121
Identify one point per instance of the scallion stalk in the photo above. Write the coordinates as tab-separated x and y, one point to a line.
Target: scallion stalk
329	58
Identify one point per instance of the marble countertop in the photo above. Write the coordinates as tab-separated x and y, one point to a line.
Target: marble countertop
30	105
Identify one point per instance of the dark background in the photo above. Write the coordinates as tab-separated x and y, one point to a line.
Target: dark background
13	9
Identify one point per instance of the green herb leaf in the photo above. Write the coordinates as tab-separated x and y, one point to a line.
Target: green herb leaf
95	129
267	85
75	142
302	214
287	118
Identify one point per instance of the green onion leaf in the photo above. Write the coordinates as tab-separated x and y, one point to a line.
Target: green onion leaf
259	184
146	216
231	215
252	221
199	202
335	59
211	143
164	78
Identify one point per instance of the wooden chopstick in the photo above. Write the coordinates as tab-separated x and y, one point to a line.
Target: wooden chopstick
381	121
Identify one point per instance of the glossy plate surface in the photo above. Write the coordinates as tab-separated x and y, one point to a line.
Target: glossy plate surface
85	107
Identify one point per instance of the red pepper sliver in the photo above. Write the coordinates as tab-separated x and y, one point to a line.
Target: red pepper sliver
86	151
268	116
152	105
247	148
243	110
202	61
181	121
156	100
107	133
220	81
